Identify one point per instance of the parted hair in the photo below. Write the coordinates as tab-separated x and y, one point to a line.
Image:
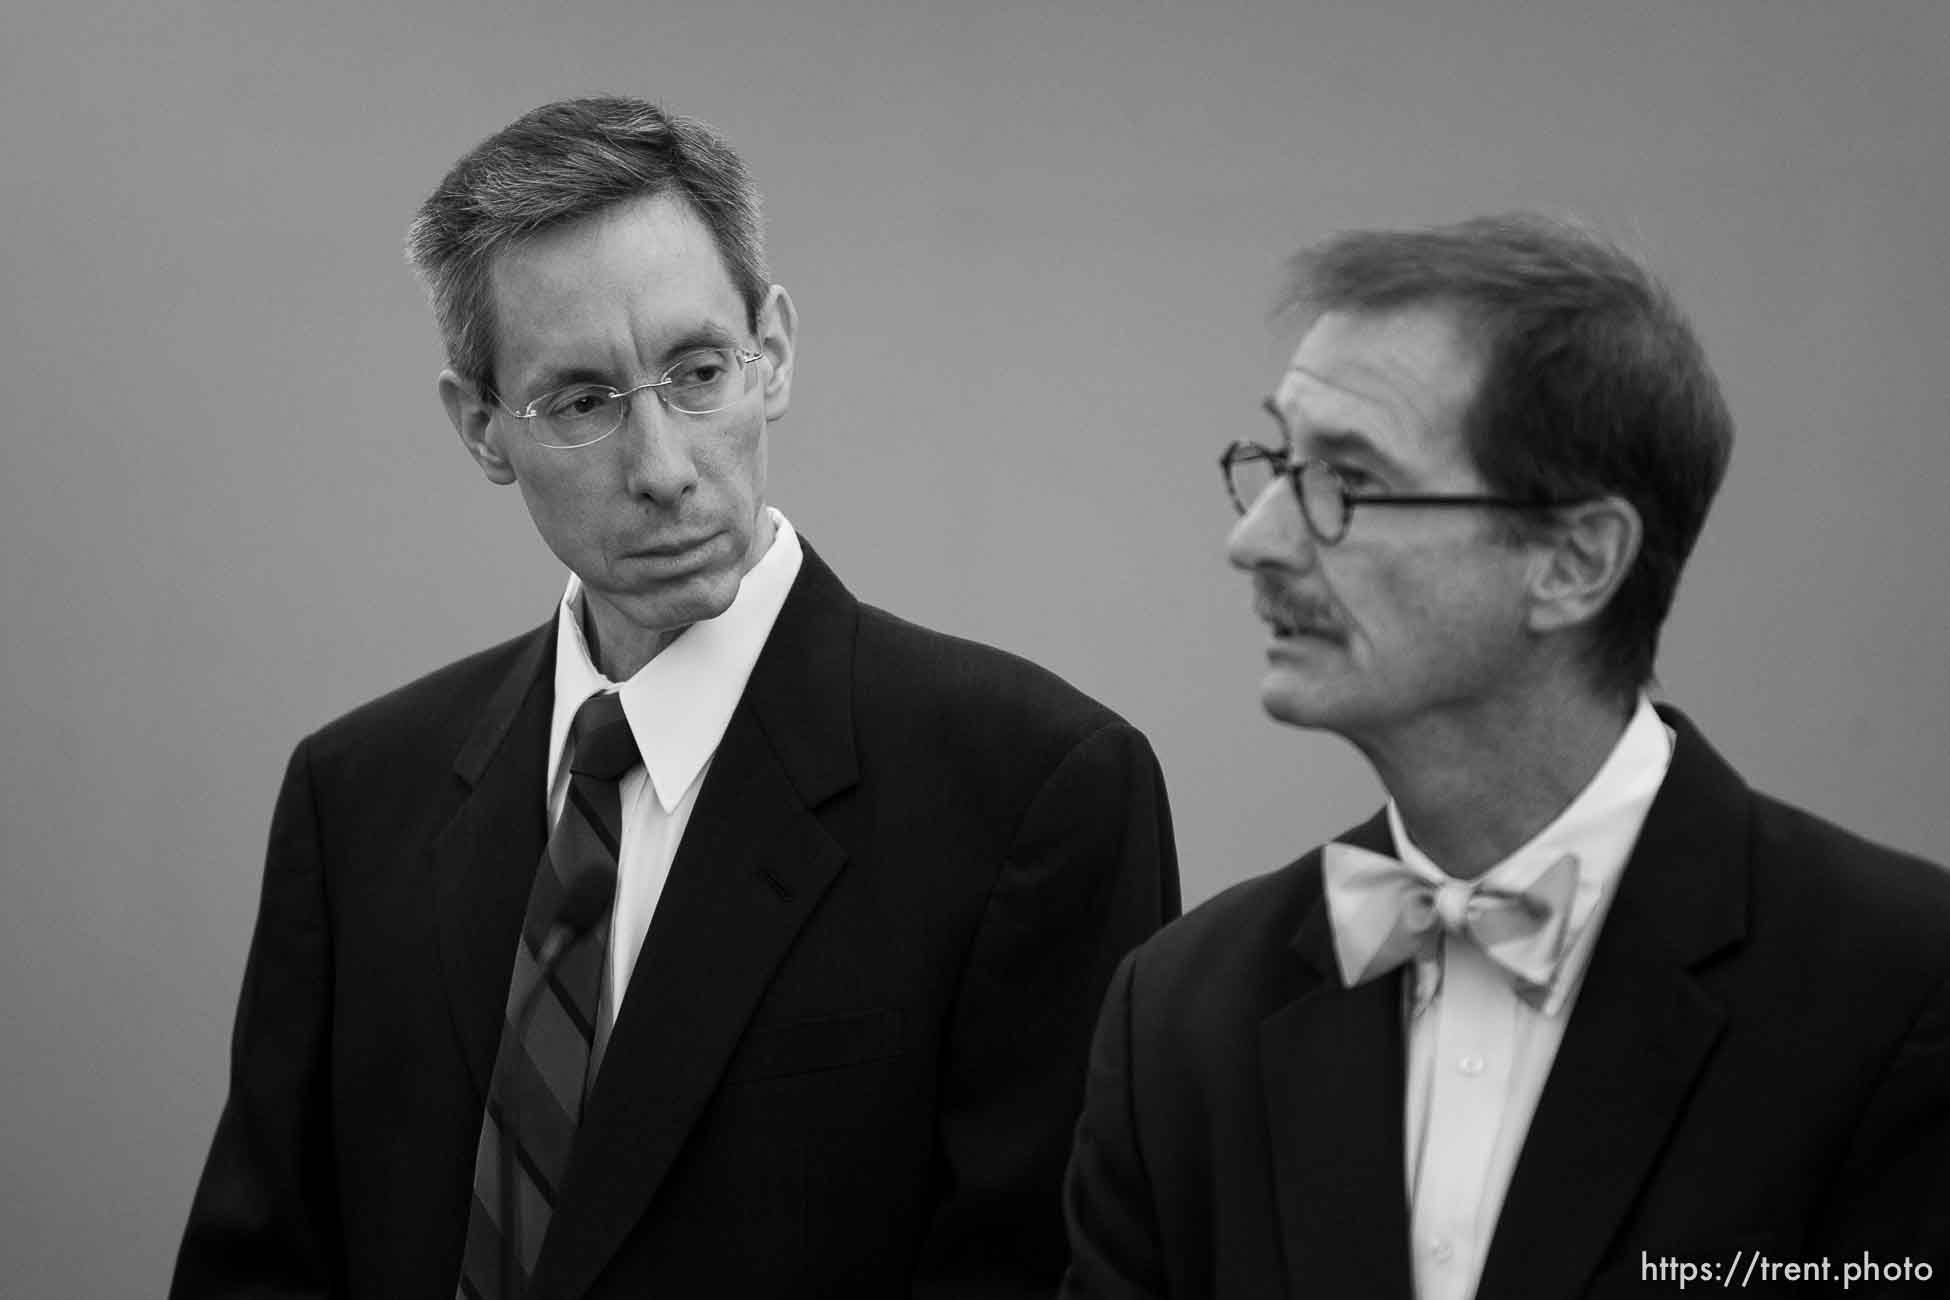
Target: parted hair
556	164
1593	384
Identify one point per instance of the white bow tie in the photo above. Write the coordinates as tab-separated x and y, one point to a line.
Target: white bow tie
1386	912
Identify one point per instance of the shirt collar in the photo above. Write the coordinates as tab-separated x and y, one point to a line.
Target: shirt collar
679	703
1599	828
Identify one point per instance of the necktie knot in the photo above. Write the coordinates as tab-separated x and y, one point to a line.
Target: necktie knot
1452	903
604	747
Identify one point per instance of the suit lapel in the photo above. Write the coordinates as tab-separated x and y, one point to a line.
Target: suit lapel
484	859
1641	1031
754	863
1332	1064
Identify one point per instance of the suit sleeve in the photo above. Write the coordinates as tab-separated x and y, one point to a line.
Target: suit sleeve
1115	1251
1091	873
264	1219
1893	1197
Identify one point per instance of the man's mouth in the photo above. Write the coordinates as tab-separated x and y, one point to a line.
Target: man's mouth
1289	622
665	549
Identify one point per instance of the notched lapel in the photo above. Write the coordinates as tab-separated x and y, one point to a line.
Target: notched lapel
484	859
1331	1062
1639	1037
1641	1032
754	863
753	866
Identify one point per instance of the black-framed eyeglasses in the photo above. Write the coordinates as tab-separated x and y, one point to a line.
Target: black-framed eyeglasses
1326	502
703	382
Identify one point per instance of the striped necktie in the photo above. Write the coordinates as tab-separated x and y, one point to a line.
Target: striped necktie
541	1070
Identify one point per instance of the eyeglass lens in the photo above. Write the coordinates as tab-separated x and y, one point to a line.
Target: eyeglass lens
701	383
1322	502
1247	475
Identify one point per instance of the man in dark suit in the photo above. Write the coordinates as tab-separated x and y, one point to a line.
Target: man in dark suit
1578	1013
869	881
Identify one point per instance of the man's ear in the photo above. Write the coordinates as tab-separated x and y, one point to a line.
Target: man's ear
778	327
1580	560
473	419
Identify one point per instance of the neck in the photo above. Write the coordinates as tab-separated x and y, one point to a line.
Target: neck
1472	791
621	648
618	658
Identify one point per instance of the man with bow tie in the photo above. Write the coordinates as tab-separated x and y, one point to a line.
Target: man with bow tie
1577	1003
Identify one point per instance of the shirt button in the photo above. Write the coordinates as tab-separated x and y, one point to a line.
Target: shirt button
1471	1065
1442	1249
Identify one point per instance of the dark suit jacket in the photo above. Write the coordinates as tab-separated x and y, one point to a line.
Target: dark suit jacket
1759	1059
852	1051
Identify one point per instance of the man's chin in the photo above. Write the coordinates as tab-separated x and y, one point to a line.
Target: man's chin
678	605
1295	702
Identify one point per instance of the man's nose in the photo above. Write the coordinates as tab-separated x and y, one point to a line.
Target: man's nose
1271	532
657	442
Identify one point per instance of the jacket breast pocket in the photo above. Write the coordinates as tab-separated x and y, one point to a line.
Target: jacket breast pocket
773	1051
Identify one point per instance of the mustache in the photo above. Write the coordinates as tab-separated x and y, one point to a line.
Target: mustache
1293	609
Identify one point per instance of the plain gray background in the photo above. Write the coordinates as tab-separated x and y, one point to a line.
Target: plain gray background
1033	248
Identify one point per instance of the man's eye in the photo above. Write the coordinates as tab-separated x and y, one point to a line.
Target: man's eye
577	404
697	372
1357	480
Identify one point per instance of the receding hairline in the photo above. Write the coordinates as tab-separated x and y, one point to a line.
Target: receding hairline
560	162
1404	399
685	335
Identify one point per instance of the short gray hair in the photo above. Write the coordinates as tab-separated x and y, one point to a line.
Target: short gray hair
561	162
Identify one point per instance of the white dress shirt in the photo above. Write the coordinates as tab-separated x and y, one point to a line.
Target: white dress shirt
678	706
1478	1054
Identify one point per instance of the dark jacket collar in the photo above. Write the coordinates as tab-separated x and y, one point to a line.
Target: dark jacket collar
1641	1030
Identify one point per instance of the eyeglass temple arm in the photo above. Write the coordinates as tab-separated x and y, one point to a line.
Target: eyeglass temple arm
1409	499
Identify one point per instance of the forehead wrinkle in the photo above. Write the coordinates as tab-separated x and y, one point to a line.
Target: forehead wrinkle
615	295
1346	410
